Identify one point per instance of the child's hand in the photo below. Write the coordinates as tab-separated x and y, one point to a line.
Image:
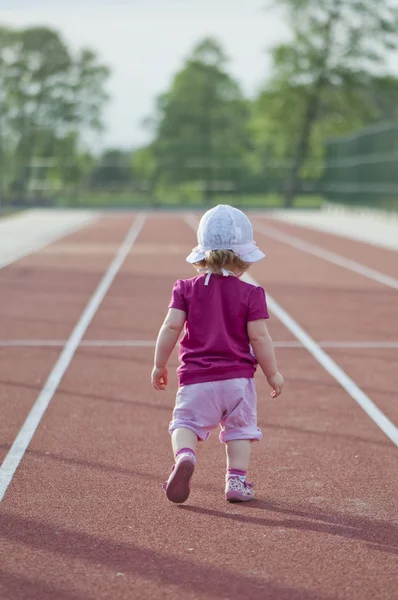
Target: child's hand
276	382
160	378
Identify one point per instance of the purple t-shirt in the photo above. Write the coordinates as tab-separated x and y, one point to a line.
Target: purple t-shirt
216	345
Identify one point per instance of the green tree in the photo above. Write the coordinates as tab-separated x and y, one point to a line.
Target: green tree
201	123
69	165
47	94
277	121
336	45
113	171
144	166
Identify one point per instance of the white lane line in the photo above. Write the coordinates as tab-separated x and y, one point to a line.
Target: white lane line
151	343
22	441
43	244
324	360
331	367
331	257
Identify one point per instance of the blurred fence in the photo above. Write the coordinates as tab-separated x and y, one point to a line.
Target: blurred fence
362	169
50	181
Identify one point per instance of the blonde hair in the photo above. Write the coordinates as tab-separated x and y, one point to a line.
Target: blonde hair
219	259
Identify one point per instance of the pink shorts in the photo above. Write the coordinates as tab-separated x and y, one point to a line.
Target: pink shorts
231	404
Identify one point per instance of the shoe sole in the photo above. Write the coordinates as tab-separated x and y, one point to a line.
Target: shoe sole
178	486
237	497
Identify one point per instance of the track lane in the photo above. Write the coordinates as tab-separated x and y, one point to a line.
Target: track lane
23	372
87	498
332	303
372	256
97	483
376	370
43	295
347	306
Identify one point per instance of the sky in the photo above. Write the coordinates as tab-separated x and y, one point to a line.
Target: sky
144	42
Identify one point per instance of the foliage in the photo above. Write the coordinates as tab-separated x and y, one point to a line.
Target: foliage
48	96
209	141
336	44
278	111
112	171
201	123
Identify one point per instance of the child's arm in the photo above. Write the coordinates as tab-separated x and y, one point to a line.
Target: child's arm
167	339
263	349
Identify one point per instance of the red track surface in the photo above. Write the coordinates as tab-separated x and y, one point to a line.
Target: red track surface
85	517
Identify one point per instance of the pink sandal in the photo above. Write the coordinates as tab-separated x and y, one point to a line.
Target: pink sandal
237	490
178	485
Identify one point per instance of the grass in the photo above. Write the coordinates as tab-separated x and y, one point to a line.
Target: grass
170	200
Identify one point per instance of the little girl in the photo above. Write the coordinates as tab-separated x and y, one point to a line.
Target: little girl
225	338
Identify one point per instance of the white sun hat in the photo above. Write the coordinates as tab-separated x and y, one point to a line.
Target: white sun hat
225	228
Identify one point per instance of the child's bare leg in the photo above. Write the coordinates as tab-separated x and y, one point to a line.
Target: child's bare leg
238	454
183	438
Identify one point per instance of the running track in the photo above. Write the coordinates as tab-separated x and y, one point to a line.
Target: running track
84	517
